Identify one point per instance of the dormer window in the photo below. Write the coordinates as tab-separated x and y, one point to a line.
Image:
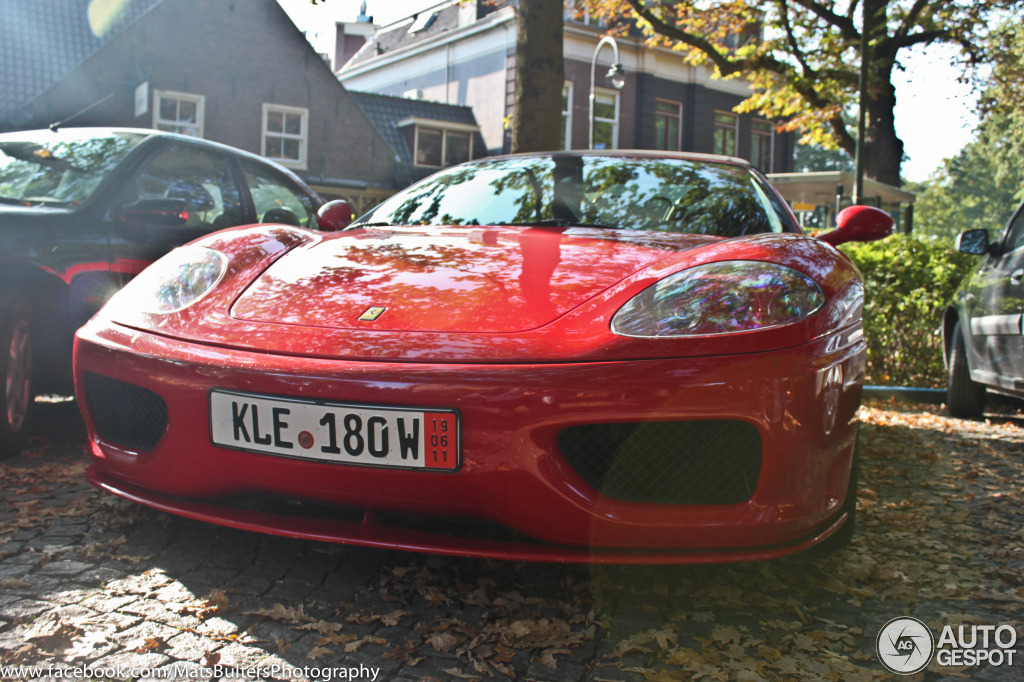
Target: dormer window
437	144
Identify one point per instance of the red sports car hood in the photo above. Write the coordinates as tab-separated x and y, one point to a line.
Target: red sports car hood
449	279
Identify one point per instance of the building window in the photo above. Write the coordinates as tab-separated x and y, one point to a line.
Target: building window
606	120
566	138
285	134
457	147
668	125
429	147
573	10
437	147
762	144
178	112
726	128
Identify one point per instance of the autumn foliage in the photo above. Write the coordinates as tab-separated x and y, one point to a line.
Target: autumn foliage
803	59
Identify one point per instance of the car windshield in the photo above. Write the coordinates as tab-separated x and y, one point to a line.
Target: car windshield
633	193
58	168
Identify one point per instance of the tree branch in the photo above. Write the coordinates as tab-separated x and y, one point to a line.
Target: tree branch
893	43
845	24
794	46
889	47
726	65
842	135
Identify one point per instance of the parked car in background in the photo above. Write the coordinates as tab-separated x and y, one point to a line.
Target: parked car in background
83	210
597	357
982	334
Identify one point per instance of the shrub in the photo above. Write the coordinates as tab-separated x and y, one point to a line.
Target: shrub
909	280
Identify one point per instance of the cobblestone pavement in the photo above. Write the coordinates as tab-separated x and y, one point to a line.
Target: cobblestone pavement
90	584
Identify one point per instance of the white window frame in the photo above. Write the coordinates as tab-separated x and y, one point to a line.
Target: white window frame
446	128
567	90
444	149
570	9
614	94
184	128
302	137
445	132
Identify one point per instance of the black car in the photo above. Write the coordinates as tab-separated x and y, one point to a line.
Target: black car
982	334
83	210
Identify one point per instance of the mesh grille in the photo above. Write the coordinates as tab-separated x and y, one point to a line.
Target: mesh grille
696	462
125	414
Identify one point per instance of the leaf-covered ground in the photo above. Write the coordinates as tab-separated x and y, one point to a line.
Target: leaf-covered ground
86	579
941	538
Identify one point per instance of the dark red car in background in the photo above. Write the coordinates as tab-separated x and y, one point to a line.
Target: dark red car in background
83	210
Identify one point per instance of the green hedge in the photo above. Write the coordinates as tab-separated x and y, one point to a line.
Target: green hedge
909	281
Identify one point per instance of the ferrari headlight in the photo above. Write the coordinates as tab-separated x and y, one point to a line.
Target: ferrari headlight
720	298
172	283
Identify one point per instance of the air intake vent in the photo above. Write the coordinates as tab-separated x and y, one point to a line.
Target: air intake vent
688	462
125	414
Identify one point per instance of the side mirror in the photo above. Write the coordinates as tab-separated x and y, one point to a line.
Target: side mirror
859	224
334	216
973	242
169	212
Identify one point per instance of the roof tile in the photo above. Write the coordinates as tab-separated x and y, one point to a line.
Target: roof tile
43	40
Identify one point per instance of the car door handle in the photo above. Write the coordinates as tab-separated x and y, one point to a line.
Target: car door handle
1017	276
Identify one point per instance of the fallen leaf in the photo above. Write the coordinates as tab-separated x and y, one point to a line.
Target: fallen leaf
369	639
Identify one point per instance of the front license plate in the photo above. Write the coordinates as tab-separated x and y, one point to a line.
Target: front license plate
368	435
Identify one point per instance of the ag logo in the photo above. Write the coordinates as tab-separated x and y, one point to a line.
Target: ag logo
905	646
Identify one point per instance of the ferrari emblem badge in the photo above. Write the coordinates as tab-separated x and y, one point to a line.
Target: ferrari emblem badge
372	313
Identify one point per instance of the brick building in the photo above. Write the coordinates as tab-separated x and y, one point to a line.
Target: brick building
463	53
238	72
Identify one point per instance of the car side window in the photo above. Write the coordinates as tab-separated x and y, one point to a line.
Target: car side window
276	199
1015	231
200	178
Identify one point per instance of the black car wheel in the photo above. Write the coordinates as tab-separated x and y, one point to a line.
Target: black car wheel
965	398
17	397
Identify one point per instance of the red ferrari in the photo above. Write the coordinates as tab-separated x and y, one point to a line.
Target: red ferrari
615	357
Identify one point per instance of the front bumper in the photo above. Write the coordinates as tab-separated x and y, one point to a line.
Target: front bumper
802	402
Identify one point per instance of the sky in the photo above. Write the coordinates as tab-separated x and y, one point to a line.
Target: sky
934	113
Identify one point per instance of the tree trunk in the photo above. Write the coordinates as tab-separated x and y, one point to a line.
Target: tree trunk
540	74
883	148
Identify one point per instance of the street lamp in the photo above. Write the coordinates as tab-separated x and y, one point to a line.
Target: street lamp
616	74
858	157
